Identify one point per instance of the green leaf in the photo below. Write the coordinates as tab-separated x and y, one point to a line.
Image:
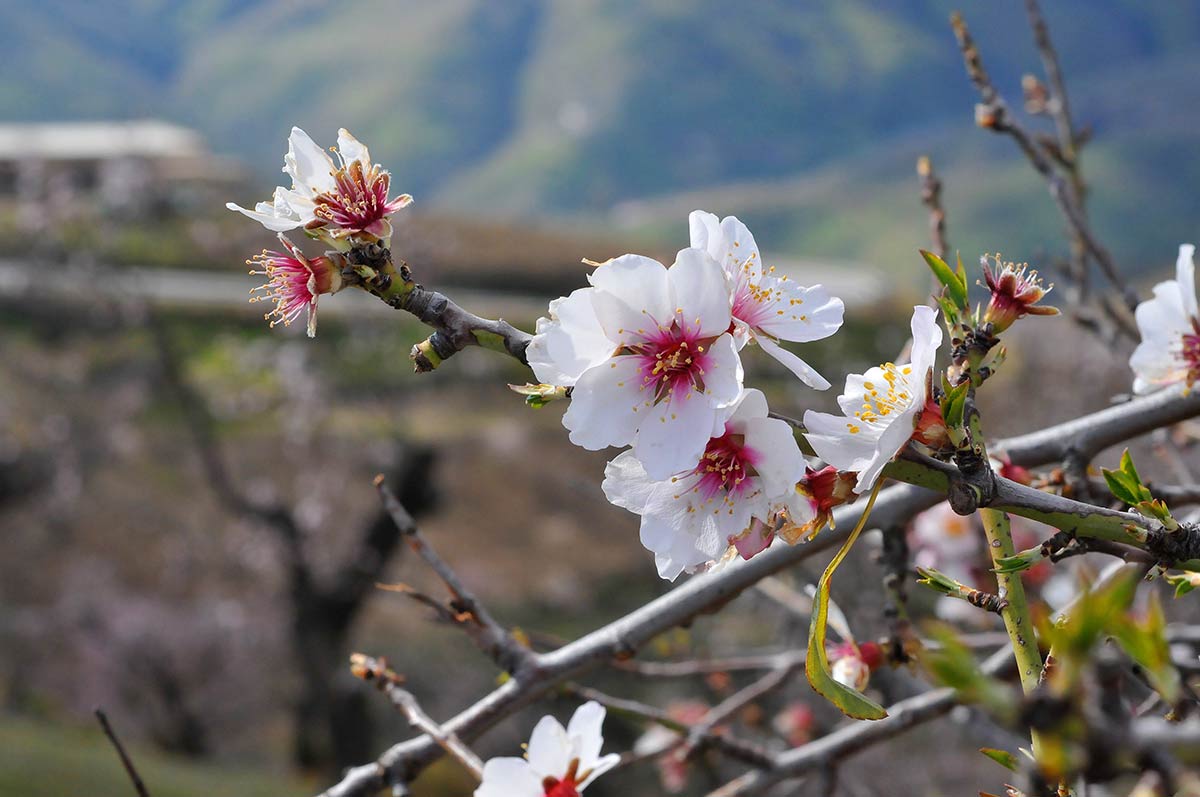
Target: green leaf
1021	560
944	274
1127	467
1001	757
1183	582
1120	486
851	703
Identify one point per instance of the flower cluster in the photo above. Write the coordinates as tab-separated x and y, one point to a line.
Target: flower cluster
651	354
343	204
558	762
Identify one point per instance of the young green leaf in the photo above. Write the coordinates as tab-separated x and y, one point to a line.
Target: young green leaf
945	275
851	702
1001	757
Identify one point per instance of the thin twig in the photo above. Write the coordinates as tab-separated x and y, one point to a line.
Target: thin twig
931	197
138	785
993	113
376	671
735	748
470	612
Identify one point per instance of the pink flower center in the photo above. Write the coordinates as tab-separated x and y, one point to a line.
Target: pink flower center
293	283
553	787
1191	352
726	466
672	362
359	202
560	788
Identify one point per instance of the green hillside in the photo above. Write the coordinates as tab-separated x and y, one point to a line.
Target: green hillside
811	112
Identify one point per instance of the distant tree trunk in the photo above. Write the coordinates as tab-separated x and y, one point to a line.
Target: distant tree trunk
333	728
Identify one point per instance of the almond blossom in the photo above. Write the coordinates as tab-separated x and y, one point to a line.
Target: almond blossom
332	200
746	474
293	283
559	762
767	308
1170	328
648	355
882	409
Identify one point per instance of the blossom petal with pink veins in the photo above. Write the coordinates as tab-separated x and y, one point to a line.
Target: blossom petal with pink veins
802	370
701	290
568	342
586	731
796	313
309	166
633	297
549	751
778	460
607	405
674	551
673	434
351	149
509	777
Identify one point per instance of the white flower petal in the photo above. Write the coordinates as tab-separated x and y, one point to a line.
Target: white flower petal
741	251
801	314
632	298
779	462
601	766
509	777
927	337
704	229
830	437
674	550
309	166
265	215
606	405
351	149
585	730
751	404
549	750
701	291
723	376
626	484
802	370
568	342
673	434
1185	275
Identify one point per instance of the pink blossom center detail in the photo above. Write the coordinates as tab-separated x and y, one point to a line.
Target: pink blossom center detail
560	788
292	283
726	466
672	362
1191	352
359	202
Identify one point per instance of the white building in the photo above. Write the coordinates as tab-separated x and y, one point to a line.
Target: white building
127	168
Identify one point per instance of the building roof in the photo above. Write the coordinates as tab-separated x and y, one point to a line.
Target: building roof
149	138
